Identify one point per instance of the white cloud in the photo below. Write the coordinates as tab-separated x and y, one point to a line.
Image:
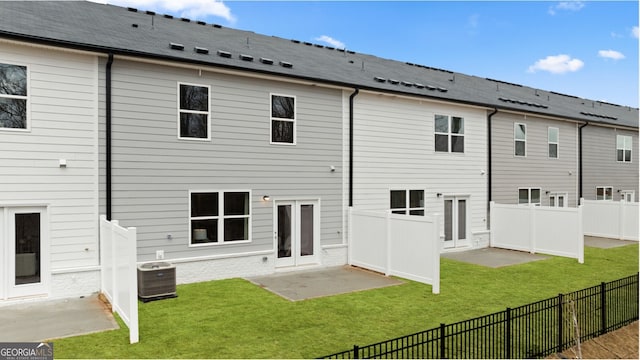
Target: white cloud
557	64
193	9
635	32
331	41
611	54
566	6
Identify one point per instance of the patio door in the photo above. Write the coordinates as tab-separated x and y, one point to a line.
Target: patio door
24	269
558	200
296	231
455	221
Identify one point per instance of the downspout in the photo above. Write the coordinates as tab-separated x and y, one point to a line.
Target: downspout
580	160
351	99
108	134
489	166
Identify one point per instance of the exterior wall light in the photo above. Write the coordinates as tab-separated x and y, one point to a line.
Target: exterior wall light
266	198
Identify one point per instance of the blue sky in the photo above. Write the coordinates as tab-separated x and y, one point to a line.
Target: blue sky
583	48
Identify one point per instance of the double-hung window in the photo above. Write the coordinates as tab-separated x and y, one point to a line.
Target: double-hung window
13	97
283	119
553	140
623	148
194	119
529	196
449	134
604	193
407	202
520	139
220	217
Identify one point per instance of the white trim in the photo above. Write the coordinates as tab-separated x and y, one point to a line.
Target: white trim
220	217
556	143
215	257
76	270
515	140
208	112
334	246
294	120
27	98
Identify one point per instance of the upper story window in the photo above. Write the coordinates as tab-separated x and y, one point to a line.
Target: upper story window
194	120
220	217
604	193
13	97
283	119
407	202
623	148
553	140
529	196
520	139
449	134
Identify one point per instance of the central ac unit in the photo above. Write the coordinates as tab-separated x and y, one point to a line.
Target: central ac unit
156	280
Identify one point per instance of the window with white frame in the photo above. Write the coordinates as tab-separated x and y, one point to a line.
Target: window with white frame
407	202
529	196
13	97
520	139
623	148
283	119
604	193
449	134
219	217
553	140
194	118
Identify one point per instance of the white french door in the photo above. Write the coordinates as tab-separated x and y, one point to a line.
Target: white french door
455	221
24	251
296	232
558	200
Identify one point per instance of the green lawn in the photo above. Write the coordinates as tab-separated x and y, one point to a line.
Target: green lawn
236	319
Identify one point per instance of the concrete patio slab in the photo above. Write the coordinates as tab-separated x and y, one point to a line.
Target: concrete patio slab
47	320
302	285
493	257
605	243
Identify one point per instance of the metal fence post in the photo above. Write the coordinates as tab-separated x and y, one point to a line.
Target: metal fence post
442	337
560	321
603	308
356	351
507	338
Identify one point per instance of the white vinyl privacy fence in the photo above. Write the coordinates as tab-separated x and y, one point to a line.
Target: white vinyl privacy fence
400	245
547	230
612	219
119	272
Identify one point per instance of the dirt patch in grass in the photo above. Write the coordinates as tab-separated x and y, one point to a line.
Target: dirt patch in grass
619	344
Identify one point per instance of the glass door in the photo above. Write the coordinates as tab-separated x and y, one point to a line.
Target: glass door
296	232
455	222
26	248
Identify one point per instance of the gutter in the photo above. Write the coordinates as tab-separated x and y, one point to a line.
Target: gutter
580	160
108	134
351	100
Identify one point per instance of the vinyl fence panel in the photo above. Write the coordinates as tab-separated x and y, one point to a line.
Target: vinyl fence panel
612	219
119	277
401	245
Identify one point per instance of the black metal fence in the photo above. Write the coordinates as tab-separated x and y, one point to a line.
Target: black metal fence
530	331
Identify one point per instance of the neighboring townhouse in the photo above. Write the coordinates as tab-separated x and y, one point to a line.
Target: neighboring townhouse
238	154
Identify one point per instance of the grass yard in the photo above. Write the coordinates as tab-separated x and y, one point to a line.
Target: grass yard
236	319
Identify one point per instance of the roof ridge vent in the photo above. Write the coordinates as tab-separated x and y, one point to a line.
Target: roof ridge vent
176	46
504	82
185	19
295	41
149	12
132	9
217	26
561	94
168	16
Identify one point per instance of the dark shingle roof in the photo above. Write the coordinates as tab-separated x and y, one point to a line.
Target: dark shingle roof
108	28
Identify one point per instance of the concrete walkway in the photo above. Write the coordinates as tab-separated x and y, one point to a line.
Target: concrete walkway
47	320
605	243
493	257
302	285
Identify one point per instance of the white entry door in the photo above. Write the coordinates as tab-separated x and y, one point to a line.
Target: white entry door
24	250
558	200
296	232
455	221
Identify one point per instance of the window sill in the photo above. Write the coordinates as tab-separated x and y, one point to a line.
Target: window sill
214	244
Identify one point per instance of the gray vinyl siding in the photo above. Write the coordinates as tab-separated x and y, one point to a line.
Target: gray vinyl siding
536	169
153	170
63	115
600	165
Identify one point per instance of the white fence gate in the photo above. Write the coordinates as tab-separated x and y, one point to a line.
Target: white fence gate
119	272
400	245
547	230
612	219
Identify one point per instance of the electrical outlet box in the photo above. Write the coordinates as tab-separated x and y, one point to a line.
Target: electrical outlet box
159	254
